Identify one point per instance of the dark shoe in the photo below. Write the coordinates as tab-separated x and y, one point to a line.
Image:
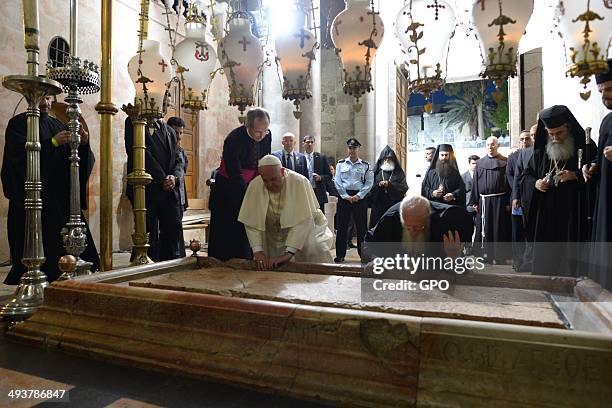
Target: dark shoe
351	245
338	260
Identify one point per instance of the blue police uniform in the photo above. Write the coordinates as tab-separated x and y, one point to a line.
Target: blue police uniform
352	179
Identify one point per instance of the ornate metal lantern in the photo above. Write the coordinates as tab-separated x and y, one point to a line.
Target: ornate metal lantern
295	53
424	30
151	72
242	57
356	33
196	60
584	26
500	25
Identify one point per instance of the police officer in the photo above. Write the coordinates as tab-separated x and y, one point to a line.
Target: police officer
354	179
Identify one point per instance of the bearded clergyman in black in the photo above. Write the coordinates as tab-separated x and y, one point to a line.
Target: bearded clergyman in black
443	182
600	175
389	184
555	193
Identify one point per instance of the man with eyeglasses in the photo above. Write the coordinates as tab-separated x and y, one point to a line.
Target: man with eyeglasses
289	158
242	149
354	179
518	231
319	172
422	227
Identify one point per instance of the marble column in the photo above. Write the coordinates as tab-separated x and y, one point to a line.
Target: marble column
281	110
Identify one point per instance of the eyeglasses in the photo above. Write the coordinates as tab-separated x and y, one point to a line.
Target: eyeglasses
262	133
308	142
414	228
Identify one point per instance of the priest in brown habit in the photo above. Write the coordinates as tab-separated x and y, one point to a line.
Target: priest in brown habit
555	193
491	198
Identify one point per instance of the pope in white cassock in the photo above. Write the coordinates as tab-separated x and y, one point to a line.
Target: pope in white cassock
282	218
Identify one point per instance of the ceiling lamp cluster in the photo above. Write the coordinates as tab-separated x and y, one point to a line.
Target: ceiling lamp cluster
424	28
584	26
295	50
242	57
357	33
500	25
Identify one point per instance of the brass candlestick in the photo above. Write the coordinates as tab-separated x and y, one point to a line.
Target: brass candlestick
30	292
139	178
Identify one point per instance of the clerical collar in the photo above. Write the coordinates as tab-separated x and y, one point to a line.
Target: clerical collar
496	154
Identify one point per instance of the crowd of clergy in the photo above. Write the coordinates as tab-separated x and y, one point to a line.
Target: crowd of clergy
545	208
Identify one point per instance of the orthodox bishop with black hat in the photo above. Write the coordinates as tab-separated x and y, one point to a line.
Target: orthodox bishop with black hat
554	193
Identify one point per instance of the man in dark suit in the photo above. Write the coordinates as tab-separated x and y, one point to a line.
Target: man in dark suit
178	125
318	172
468	178
291	159
163	199
519	242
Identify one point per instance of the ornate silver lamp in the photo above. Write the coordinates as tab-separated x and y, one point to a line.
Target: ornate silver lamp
30	292
584	27
77	78
425	29
500	25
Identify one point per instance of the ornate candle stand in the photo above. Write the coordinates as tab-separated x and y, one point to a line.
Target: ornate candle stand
77	79
30	292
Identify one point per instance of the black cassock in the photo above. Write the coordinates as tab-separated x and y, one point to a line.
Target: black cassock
490	191
452	184
443	218
55	176
238	167
382	198
600	268
557	219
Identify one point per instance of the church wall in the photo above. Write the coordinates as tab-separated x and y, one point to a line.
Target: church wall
214	123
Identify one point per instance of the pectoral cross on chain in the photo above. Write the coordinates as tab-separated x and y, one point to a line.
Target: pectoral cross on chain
163	65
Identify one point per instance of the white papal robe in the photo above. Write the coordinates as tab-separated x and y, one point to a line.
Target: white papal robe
286	221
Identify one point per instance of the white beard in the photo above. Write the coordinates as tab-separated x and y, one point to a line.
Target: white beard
561	151
386	166
414	242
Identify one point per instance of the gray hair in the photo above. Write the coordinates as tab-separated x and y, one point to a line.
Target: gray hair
414	203
308	137
493	139
256	113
